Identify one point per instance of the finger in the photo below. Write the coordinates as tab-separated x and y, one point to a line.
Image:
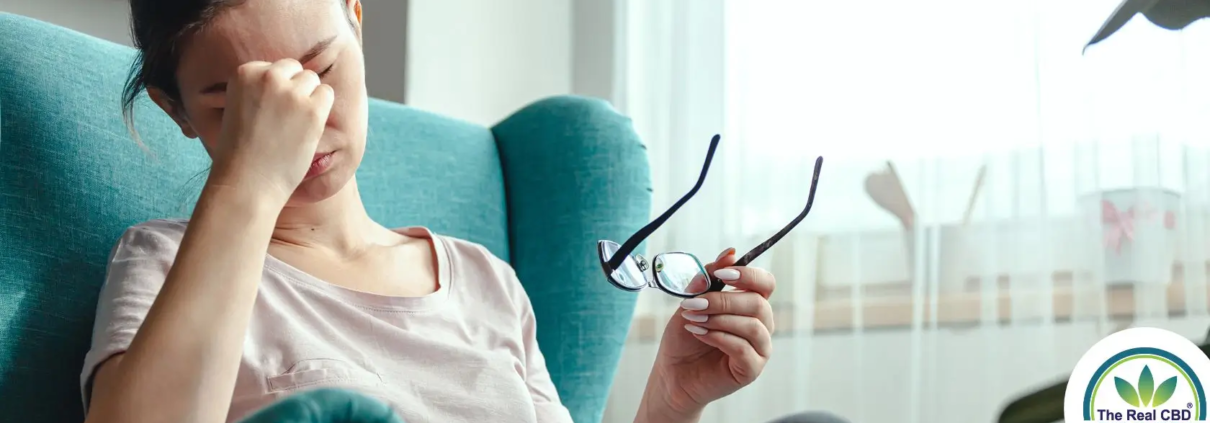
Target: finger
748	304
698	284
305	82
724	259
753	279
251	70
746	363
322	98
284	69
750	329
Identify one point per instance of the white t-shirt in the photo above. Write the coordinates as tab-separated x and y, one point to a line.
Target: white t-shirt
465	353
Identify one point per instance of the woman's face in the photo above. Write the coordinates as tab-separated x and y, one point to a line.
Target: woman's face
321	35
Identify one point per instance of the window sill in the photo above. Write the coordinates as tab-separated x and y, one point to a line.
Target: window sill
892	306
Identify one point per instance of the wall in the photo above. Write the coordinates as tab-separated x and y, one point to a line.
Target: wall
385	48
109	20
477	60
481	60
105	19
594	50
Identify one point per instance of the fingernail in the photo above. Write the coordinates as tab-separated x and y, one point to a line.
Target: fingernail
727	274
695	304
696	318
696	330
725	253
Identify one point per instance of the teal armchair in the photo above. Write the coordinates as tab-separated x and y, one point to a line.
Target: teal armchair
538	189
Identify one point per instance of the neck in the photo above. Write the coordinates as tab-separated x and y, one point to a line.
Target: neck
339	223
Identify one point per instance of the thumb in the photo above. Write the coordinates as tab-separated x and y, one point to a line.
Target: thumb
323	96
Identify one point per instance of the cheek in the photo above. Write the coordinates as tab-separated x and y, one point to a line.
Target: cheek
348	113
208	124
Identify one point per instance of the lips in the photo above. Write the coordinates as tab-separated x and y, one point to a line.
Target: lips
320	163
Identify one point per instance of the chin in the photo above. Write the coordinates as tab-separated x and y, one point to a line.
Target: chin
321	187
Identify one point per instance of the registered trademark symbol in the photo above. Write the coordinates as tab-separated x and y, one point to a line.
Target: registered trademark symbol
1188	405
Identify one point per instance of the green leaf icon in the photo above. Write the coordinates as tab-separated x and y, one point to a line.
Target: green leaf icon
1146	386
1126	391
1164	392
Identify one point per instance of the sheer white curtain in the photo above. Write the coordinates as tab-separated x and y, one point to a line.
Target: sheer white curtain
1045	197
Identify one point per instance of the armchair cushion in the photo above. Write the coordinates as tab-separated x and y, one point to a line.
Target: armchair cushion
537	190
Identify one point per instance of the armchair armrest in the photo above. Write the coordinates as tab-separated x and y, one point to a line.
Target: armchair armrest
575	172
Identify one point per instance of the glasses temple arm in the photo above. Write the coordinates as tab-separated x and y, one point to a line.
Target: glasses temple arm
638	237
764	246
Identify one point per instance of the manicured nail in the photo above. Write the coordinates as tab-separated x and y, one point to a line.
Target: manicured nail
695	304
696	330
727	274
725	253
696	318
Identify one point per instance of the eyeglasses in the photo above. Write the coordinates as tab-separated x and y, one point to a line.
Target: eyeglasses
680	274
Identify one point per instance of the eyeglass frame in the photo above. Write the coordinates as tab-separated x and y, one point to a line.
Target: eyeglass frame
625	249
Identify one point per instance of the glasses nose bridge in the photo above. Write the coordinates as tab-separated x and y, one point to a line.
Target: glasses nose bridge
644	266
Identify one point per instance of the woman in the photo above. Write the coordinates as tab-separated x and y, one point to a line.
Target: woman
197	324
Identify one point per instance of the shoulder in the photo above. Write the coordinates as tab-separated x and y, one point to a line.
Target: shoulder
472	263
158	237
471	252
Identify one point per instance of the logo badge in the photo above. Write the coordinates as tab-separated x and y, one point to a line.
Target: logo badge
1138	374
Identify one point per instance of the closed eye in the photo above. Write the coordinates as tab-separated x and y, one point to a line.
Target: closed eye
325	71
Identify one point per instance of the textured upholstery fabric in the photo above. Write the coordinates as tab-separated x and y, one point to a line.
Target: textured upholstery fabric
811	417
72	178
329	406
573	167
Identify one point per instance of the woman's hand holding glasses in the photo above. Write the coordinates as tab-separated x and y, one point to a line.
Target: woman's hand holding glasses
719	341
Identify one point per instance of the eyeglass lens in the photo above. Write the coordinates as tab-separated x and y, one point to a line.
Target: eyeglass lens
628	274
680	273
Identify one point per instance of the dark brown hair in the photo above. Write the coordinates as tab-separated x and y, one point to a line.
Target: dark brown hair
159	29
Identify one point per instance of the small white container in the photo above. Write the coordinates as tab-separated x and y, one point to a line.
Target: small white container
1136	237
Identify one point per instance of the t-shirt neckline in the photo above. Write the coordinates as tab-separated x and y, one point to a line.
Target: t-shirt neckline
377	301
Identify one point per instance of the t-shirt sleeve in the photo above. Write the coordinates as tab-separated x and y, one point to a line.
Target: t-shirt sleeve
547	406
546	398
138	265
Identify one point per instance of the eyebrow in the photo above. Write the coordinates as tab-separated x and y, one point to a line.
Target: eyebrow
314	51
